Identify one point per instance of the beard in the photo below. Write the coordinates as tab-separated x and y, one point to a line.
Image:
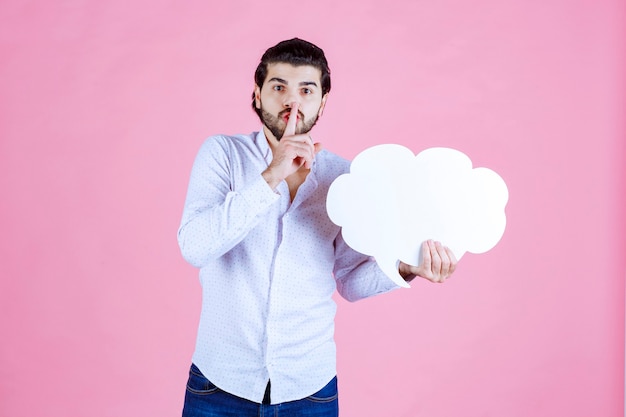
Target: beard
277	126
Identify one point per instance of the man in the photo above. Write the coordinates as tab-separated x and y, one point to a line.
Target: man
255	224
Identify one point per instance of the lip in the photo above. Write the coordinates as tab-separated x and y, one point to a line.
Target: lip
286	117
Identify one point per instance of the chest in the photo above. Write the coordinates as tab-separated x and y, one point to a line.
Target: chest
294	181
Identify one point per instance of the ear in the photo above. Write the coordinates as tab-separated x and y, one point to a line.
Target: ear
321	110
257	96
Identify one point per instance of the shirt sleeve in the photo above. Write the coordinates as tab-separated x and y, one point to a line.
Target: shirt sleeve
216	217
358	276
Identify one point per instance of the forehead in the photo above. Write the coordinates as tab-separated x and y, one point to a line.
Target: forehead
293	74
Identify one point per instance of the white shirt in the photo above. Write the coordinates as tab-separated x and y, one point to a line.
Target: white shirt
268	269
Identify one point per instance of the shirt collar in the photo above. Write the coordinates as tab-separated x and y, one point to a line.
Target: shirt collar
263	146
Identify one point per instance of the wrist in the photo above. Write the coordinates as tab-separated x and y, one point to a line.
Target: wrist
270	178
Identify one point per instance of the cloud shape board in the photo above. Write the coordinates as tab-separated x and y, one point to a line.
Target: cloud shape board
392	201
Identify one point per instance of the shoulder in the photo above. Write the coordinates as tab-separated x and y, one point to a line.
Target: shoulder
331	165
225	141
217	145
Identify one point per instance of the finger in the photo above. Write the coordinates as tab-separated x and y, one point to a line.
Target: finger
307	147
290	129
426	259
436	259
308	158
316	147
445	259
302	151
453	260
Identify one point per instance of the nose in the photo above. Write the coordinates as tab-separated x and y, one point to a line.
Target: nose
291	98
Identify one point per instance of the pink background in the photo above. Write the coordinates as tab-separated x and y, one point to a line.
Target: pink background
103	105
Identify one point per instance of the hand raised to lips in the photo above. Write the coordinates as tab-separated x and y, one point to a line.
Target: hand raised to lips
291	152
286	114
290	129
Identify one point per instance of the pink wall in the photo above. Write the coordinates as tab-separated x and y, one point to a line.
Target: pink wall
103	106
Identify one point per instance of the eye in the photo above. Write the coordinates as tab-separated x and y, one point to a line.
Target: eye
307	91
278	87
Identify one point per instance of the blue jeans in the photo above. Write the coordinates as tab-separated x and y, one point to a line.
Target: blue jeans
203	399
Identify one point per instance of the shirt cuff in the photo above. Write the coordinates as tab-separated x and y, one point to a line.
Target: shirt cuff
259	194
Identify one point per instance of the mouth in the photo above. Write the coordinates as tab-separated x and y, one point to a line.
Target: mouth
287	114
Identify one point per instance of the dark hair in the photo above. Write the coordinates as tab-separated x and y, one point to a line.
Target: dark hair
296	52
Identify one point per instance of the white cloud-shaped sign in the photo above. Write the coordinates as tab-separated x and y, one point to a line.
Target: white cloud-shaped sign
392	201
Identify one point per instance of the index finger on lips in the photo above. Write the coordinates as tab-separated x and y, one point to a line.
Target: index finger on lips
290	129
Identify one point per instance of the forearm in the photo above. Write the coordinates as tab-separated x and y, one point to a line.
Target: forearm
209	230
358	276
366	280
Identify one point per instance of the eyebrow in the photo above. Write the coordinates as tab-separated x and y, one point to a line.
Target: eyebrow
302	84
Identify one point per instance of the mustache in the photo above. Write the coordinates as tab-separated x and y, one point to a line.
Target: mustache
288	111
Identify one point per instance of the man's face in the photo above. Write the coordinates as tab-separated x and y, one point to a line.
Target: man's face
284	85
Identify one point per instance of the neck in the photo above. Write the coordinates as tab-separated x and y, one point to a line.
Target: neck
271	140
